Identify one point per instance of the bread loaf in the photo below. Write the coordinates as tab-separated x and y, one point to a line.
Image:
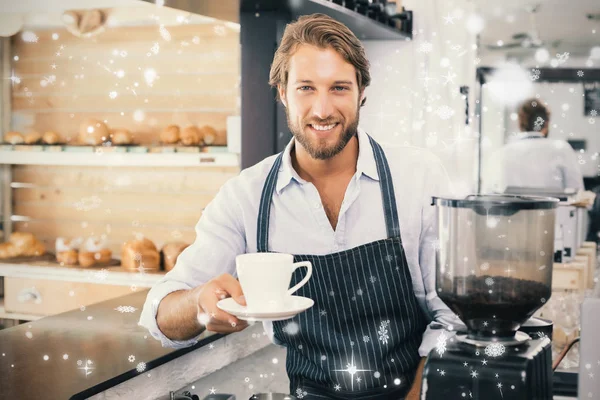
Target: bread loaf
32	138
67	250
190	136
140	253
120	136
170	253
51	138
94	252
90	258
209	134
22	244
170	135
93	132
14	138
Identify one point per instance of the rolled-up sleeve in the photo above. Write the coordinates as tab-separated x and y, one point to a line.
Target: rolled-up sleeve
442	318
219	239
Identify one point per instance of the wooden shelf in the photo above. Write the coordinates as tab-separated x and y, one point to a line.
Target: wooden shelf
113	159
19	316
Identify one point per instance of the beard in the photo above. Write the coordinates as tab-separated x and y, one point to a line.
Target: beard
319	149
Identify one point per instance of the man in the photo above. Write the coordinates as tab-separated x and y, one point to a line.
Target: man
531	160
361	215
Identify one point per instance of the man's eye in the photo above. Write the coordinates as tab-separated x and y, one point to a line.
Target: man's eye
304	87
341	88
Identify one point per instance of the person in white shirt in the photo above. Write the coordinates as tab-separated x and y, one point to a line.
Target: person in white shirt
361	214
532	160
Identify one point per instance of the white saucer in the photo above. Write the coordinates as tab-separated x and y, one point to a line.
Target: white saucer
292	306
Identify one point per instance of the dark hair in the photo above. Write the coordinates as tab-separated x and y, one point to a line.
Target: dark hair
533	116
322	31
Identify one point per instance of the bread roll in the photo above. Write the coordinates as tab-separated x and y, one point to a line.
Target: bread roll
68	257
190	136
209	134
170	253
170	135
32	138
8	250
67	250
22	240
93	132
90	258
22	244
51	138
121	136
94	252
140	253
38	249
14	138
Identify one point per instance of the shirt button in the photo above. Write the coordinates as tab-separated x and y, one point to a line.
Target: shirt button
317	205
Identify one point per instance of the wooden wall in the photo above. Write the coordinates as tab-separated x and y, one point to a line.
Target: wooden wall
117	203
58	83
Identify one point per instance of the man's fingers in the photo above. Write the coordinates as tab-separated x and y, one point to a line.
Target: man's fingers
232	287
210	313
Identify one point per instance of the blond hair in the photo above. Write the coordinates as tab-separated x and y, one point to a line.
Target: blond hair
322	31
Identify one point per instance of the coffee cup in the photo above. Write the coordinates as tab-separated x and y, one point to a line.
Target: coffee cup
265	278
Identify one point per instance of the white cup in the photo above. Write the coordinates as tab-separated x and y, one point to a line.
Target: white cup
265	278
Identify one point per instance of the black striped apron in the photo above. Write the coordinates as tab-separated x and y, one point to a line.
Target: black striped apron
360	340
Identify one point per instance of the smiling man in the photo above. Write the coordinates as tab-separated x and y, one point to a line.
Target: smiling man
360	213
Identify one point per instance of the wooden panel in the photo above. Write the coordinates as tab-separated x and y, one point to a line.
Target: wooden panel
171	180
115	35
76	197
569	276
56	296
197	65
218	83
128	101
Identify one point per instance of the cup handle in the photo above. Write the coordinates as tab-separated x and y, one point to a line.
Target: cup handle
295	266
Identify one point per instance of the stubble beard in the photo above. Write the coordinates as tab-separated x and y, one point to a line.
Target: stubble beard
319	150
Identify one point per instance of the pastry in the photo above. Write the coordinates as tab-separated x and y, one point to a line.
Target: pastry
94	252
51	138
67	251
22	244
190	136
209	134
93	132
8	250
170	253
140	253
90	258
14	138
170	135
32	138
120	136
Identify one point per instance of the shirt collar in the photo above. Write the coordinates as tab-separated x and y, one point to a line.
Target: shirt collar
526	135
365	164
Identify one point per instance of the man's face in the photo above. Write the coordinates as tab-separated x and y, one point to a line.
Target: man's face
322	101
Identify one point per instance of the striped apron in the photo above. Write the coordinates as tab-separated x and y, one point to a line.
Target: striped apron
360	340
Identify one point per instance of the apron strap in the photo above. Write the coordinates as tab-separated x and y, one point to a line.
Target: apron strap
388	196
264	211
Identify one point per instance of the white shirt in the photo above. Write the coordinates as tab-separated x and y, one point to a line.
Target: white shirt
299	225
533	163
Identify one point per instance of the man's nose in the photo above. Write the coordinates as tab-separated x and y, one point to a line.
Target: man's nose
323	107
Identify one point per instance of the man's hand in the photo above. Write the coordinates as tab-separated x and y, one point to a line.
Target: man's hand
415	390
209	294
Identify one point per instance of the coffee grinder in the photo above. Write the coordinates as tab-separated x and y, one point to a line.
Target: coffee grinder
494	270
